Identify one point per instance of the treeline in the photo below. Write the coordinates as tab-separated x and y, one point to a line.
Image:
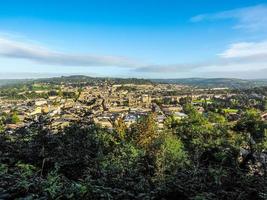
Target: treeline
199	157
80	81
215	82
16	94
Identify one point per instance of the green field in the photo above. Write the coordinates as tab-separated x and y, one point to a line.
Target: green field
202	101
228	110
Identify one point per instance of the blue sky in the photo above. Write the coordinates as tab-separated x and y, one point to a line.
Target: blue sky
141	38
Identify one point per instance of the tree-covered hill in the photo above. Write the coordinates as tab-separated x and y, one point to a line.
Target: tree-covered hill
195	82
4	82
199	157
77	79
214	82
93	80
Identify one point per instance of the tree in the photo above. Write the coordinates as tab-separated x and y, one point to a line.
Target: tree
265	105
251	123
2	127
120	128
216	118
144	132
171	156
185	100
189	109
13	118
60	93
252	128
171	122
52	93
78	94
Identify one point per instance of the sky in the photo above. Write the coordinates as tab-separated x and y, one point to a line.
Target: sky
141	38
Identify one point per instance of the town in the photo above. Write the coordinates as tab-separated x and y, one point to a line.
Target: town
104	103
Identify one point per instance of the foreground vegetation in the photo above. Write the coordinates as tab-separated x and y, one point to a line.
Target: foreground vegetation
194	158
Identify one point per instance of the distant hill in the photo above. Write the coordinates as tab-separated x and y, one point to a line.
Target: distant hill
93	80
4	82
214	82
77	79
194	82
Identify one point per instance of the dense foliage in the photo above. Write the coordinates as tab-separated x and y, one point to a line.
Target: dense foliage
194	158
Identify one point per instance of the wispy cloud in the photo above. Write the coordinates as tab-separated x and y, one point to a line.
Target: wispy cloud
39	54
246	50
242	57
252	18
168	68
238	58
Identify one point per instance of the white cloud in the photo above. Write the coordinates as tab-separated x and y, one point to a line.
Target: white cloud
23	50
238	58
168	68
242	58
252	18
246	49
26	50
